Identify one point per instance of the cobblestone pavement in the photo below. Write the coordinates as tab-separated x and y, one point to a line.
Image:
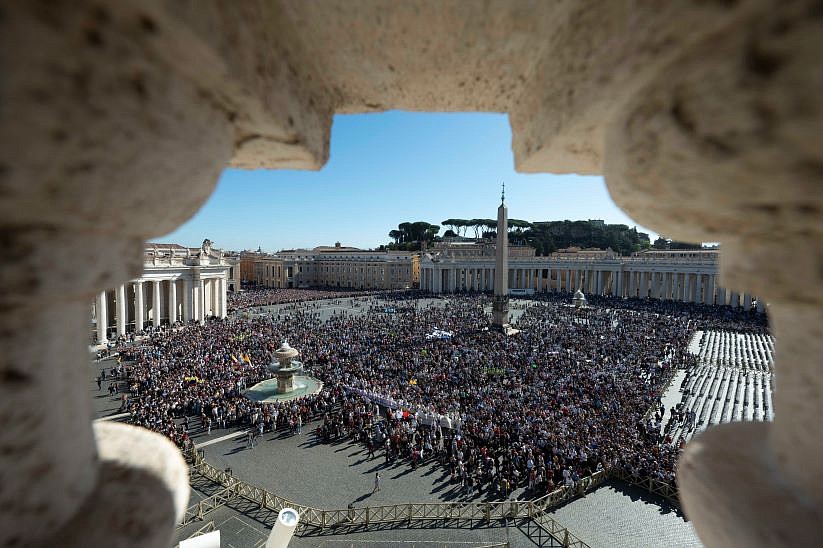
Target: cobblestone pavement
617	514
332	476
102	404
672	396
243	523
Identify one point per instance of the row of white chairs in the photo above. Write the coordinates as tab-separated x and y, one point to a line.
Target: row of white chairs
739	350
718	395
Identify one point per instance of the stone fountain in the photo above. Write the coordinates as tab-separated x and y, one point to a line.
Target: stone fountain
284	366
287	383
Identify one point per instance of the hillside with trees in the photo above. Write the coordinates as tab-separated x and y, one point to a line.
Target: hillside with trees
409	236
665	243
544	236
549	236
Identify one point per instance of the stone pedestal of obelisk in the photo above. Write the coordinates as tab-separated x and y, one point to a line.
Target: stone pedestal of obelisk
500	306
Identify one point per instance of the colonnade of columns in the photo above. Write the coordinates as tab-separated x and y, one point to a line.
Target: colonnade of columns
142	303
695	287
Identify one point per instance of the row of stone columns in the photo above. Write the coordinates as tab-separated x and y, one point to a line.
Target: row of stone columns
201	298
693	287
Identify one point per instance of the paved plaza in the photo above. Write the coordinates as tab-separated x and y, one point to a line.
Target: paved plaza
301	469
334	475
617	514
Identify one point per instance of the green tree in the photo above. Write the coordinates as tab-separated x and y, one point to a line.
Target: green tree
451	224
409	235
661	243
517	229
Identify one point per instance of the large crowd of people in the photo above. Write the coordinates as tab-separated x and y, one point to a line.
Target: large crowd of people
563	398
261	297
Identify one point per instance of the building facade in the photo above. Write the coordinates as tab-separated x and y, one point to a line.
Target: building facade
178	284
339	267
248	262
687	275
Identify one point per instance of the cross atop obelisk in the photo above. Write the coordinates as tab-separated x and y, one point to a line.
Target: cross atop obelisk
500	305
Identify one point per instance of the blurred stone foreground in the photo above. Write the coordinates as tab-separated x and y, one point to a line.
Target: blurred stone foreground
117	118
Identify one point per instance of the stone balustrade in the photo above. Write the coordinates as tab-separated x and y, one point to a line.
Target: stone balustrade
118	118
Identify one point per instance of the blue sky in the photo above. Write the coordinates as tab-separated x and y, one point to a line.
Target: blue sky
385	169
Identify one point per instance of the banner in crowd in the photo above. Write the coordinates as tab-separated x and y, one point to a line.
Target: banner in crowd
426	418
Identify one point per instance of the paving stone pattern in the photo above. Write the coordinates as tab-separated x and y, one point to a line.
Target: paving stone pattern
334	475
618	515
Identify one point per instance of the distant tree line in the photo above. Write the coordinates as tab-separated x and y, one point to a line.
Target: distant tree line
549	236
665	243
409	236
544	236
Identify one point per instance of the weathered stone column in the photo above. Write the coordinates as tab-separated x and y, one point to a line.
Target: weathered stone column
692	287
710	289
139	306
102	318
223	297
704	116
218	298
113	147
172	301
722	144
197	301
188	300
155	303
122	309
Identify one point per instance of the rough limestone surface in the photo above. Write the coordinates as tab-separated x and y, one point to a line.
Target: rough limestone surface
116	119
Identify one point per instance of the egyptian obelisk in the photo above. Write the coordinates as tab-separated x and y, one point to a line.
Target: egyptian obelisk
500	307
